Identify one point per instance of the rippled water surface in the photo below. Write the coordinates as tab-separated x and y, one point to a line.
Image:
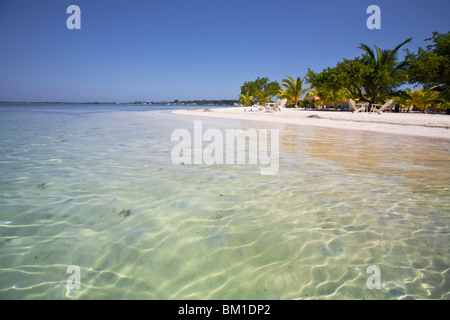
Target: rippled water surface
341	201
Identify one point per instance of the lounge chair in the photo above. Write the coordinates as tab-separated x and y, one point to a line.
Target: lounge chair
271	106
384	107
268	108
281	105
256	107
277	106
356	107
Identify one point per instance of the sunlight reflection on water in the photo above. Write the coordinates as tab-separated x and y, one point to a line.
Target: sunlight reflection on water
341	201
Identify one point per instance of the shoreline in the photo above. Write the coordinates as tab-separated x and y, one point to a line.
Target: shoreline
413	124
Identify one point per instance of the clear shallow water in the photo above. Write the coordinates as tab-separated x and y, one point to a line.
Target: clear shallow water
341	202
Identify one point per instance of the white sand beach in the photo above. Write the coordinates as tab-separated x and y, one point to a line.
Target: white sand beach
416	124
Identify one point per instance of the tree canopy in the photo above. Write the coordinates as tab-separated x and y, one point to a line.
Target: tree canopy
245	99
375	76
371	77
261	89
293	90
431	66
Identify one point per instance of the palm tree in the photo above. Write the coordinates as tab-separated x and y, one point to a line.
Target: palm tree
324	96
245	99
332	96
443	98
337	97
293	90
404	99
422	99
263	97
387	74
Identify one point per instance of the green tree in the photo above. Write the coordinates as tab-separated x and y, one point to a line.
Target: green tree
322	93
372	77
262	89
293	90
422	99
431	66
246	99
404	99
305	103
386	73
328	86
443	96
263	97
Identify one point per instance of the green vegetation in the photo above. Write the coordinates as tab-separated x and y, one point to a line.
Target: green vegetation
262	90
293	90
431	66
373	77
443	98
376	76
422	99
246	99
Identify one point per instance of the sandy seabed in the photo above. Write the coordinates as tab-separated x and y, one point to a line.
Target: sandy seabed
416	124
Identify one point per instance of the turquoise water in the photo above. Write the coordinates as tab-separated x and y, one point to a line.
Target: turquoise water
341	201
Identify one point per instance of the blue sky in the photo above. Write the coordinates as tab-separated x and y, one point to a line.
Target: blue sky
133	50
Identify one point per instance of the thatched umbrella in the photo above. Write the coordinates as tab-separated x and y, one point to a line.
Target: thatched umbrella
312	99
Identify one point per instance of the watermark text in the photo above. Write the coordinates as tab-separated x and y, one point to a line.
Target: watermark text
229	149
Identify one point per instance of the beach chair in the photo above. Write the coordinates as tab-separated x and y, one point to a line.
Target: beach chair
277	106
281	105
268	108
271	106
383	108
356	107
256	107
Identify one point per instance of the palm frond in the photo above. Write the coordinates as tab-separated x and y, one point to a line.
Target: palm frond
368	50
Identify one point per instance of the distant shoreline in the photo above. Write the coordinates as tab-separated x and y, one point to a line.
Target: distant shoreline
149	103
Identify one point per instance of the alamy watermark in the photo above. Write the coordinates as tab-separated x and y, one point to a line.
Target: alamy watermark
229	149
374	281
374	21
74	20
74	280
